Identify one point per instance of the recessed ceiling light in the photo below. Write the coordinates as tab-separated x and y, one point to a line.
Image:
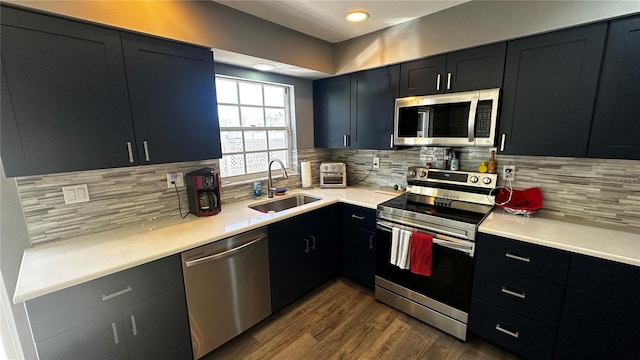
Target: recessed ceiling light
264	67
357	16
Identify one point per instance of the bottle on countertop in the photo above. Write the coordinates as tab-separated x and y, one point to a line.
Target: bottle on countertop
257	189
455	162
482	168
492	168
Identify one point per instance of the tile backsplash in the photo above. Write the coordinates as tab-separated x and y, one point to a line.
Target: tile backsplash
605	192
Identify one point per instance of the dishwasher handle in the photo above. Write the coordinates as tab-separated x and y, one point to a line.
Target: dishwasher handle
223	254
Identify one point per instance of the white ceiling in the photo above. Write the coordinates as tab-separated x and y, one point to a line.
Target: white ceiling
324	19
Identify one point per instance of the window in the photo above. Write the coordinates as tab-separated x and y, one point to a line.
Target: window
254	126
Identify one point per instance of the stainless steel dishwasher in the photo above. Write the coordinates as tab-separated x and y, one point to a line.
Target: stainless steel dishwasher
227	286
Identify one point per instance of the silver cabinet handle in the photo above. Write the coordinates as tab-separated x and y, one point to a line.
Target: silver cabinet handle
517	257
313	242
515	334
117	293
504	137
520	295
306	249
116	340
354	216
146	150
371	242
391	143
448	81
223	254
438	82
134	327
130	151
345	140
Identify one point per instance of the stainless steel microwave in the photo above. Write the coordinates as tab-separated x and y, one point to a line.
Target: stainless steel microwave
458	119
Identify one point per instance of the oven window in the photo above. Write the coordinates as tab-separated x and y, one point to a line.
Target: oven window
451	274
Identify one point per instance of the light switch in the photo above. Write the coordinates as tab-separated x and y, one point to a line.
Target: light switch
75	194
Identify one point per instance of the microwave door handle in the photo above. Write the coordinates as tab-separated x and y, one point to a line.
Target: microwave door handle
472	119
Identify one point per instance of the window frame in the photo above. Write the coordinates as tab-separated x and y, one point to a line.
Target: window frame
288	117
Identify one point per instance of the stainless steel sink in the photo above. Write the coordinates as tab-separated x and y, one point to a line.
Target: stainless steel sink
284	203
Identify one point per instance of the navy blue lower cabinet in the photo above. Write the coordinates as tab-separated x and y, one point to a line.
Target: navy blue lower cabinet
514	332
359	244
303	253
596	327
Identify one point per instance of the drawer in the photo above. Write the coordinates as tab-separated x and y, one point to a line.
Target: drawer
65	309
516	333
359	217
527	295
535	260
607	278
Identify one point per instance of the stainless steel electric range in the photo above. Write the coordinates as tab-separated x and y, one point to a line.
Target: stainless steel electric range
449	206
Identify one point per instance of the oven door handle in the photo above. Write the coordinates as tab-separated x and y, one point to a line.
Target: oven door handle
467	247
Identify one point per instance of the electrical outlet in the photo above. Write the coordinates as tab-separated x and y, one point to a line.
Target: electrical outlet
75	194
177	177
376	162
509	172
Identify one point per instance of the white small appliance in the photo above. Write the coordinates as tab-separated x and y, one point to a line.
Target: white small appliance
333	175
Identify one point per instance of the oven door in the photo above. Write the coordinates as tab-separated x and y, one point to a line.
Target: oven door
452	268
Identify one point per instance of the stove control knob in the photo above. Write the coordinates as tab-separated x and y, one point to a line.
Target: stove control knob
423	174
412	173
486	180
474	179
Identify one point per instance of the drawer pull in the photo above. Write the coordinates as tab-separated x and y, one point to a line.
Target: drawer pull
517	257
116	294
520	295
116	340
354	216
306	248
371	242
515	334
134	327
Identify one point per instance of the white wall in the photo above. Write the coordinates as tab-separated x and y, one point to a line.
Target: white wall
204	23
470	24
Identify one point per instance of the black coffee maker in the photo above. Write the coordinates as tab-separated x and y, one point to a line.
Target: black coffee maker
203	191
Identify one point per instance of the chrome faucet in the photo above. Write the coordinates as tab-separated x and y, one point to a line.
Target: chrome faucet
270	189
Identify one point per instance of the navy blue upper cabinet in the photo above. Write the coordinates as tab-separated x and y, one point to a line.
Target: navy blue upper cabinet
472	69
355	111
616	124
78	97
173	100
64	96
373	94
550	84
331	112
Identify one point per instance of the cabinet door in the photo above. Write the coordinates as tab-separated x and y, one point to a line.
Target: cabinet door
373	94
289	261
358	244
423	77
325	243
158	328
64	96
331	112
103	338
358	255
173	100
594	327
616	124
477	68
549	92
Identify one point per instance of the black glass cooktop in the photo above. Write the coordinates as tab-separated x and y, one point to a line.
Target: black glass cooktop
401	202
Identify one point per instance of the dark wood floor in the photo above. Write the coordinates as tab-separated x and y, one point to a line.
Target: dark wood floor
342	320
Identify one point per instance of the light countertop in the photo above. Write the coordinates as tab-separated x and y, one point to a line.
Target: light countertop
58	265
583	239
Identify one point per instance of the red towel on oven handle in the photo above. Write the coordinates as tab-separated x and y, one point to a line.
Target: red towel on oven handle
421	245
